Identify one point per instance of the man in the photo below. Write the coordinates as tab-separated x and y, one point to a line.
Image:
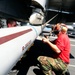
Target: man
61	46
11	22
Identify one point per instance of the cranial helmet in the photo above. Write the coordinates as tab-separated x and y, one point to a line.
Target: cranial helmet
60	27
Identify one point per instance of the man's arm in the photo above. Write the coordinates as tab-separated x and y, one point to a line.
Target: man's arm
53	46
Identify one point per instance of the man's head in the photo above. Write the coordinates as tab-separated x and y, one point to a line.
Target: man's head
60	27
11	22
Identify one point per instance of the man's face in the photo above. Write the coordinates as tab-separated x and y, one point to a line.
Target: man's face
14	24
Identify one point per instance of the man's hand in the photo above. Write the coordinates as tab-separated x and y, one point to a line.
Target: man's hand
53	46
45	40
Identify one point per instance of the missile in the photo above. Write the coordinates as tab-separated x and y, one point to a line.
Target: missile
39	9
14	42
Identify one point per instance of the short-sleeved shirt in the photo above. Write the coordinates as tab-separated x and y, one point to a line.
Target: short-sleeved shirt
63	43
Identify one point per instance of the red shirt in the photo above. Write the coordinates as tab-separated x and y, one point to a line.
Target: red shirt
63	43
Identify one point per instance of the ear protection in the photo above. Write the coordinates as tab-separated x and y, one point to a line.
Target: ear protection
59	27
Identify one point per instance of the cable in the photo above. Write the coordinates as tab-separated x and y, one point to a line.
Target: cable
48	21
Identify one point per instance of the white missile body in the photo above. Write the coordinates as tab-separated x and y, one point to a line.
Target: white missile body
15	41
13	44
